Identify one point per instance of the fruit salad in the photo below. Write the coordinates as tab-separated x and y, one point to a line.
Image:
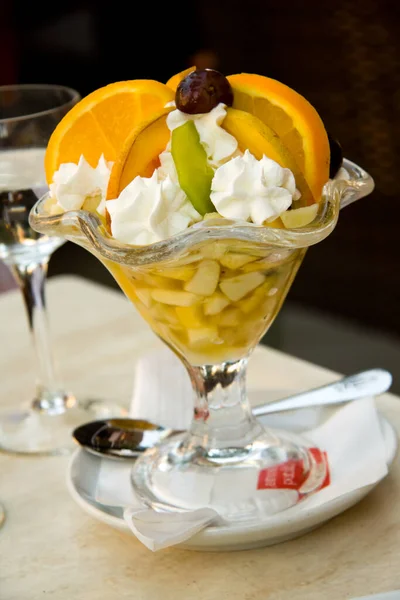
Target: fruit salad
153	161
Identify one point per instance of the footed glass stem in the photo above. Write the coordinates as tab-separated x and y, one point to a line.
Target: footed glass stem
227	460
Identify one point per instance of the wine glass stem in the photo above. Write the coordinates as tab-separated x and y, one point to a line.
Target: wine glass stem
31	278
222	414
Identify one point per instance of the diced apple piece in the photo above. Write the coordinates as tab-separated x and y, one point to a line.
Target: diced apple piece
190	316
175	297
91	203
273	261
183	273
299	217
205	280
165	314
238	287
214	250
230	317
158	281
144	295
201	336
252	302
215	303
233	260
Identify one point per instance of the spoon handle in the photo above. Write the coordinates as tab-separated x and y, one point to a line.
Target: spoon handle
360	385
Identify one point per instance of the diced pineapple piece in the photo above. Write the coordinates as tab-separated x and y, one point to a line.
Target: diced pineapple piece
237	287
175	297
230	317
190	316
204	335
233	260
91	203
165	314
144	295
183	273
215	303
299	217
254	300
158	281
205	280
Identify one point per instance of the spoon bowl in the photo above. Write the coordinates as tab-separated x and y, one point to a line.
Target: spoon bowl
127	438
121	437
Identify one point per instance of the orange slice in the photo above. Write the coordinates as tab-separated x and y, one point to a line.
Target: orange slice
292	117
101	122
174	81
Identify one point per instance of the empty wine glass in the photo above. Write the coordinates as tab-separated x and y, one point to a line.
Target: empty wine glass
28	116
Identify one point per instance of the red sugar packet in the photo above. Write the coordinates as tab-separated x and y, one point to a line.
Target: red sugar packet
290	474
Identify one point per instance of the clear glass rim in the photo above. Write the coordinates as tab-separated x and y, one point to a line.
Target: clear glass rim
22	87
337	193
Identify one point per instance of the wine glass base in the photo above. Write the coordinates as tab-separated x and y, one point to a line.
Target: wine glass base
269	475
35	432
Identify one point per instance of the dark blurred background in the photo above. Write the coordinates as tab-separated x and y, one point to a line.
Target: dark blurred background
344	56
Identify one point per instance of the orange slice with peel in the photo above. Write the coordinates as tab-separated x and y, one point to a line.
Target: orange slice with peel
292	117
101	122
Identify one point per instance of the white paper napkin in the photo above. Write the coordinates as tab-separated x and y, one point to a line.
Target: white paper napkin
162	393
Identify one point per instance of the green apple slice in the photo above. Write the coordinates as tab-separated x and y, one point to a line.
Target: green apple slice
194	173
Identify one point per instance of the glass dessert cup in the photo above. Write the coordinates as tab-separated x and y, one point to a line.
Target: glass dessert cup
211	293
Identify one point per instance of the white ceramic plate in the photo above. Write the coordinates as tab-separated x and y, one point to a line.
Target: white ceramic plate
84	468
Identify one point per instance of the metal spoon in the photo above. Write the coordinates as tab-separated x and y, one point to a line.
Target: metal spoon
128	438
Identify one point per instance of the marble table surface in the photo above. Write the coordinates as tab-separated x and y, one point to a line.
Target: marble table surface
50	548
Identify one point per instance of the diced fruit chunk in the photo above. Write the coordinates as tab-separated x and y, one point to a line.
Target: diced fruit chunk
237	287
144	295
157	281
202	336
164	314
230	317
233	260
299	217
254	300
190	316
215	303
183	273
214	250
175	297
205	280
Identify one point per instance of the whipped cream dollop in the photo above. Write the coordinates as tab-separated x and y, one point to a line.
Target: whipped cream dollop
73	184
254	190
218	143
150	209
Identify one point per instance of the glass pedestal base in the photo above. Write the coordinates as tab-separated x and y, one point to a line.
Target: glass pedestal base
272	473
42	432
